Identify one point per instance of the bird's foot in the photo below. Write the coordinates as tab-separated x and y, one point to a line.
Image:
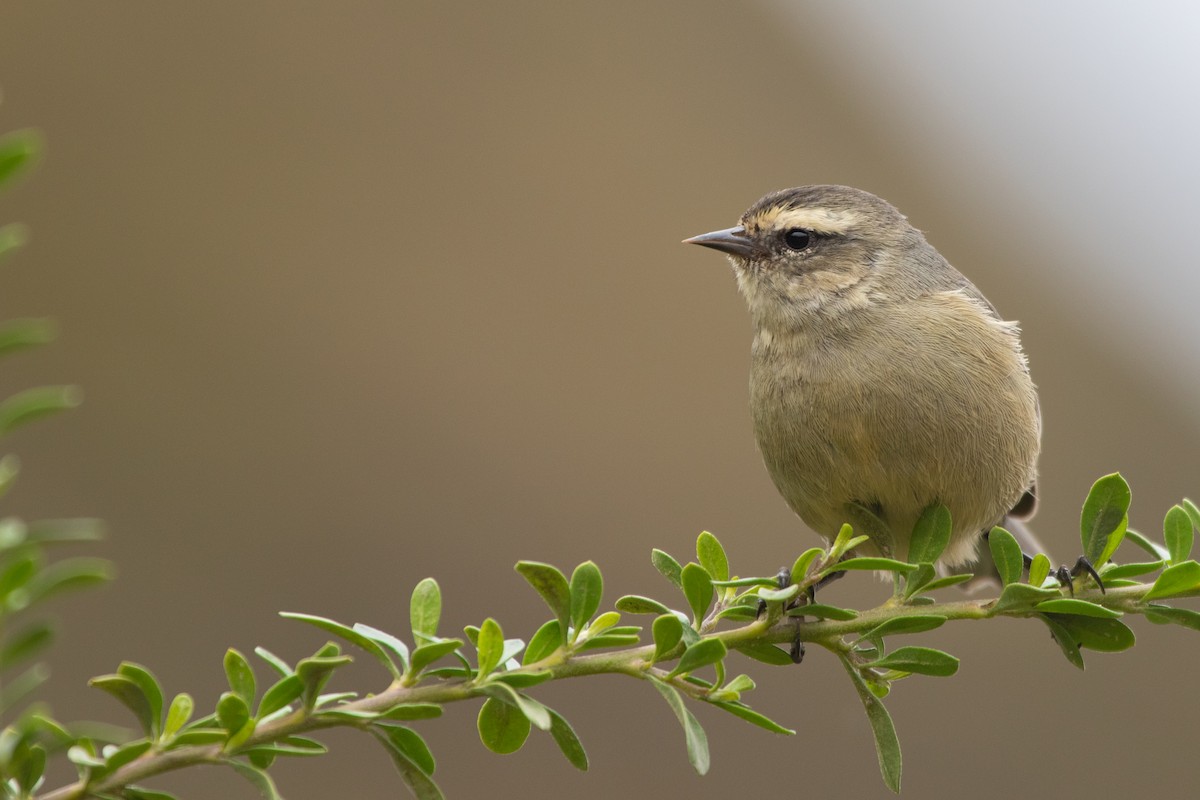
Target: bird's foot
796	651
1066	577
783	579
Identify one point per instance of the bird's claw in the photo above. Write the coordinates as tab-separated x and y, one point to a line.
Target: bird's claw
783	579
797	649
1066	577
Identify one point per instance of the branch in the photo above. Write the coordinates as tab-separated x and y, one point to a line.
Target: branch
682	648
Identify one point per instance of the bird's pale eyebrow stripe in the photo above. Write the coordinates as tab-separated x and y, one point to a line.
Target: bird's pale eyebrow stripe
818	220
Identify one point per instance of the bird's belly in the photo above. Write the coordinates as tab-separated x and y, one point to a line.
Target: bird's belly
873	434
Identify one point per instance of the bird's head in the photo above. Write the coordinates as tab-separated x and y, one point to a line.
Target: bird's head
814	249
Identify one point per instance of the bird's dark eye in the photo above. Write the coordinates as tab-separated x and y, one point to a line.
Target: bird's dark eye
797	238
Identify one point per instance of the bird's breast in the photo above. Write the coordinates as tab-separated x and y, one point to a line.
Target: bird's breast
925	402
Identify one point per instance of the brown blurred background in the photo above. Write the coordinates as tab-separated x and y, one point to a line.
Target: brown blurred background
364	292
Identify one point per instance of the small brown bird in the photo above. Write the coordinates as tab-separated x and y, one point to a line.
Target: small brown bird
881	378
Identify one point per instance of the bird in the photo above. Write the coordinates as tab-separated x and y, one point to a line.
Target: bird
881	380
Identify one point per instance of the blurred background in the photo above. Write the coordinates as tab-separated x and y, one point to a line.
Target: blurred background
369	291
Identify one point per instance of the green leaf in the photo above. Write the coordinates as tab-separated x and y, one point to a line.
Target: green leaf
534	711
490	646
949	580
552	585
411	711
822	611
84	755
1006	554
1022	596
232	712
29	767
1118	571
523	680
512	648
17	688
314	672
742	683
355	637
422	786
36	403
409	742
259	778
567	741
1179	616
289	746
141	793
697	741
25	643
259	757
918	579
18	572
68	575
1153	548
20	334
698	589
887	745
548	638
1177	533
502	727
778	595
1175	579
1039	570
336	697
930	535
178	714
425	610
125	754
587	589
10	466
917	623
389	643
426	654
1071	605
766	653
1192	511
871	562
668	566
148	686
921	660
610	640
1105	515
18	151
701	654
240	675
1064	639
712	557
802	564
667	631
753	717
281	694
199	736
636	604
740	611
606	621
351	715
1094	633
12	236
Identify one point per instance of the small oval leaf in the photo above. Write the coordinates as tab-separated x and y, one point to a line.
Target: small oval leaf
1006	554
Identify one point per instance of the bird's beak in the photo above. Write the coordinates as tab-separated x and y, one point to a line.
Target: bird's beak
733	241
